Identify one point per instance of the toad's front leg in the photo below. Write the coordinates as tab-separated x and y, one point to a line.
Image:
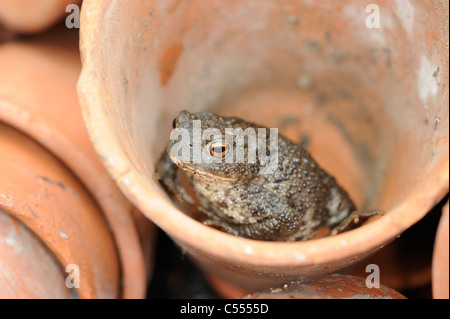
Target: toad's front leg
353	220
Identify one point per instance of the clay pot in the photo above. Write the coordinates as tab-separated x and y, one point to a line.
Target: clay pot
329	287
37	189
29	16
440	267
5	35
38	97
405	264
22	252
370	105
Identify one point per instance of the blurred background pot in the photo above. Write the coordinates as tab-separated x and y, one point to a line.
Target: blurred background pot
329	287
28	269
440	258
31	16
5	35
370	104
37	189
38	97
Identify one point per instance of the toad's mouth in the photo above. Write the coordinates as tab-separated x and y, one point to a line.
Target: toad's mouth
201	173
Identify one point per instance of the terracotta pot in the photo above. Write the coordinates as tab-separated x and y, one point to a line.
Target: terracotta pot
405	264
30	16
440	267
329	287
22	252
38	97
225	289
37	189
369	104
5	35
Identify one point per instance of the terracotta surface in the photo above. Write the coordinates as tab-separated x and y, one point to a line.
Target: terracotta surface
405	264
226	290
5	35
28	269
440	258
329	287
31	16
370	104
37	189
48	67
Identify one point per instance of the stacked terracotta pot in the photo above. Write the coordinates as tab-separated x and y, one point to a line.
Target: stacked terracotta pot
369	102
66	231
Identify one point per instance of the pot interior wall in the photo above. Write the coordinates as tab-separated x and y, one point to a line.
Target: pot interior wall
371	104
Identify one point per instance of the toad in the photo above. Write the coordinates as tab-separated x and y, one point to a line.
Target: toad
250	183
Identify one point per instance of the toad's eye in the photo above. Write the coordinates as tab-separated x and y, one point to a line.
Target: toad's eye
174	123
218	149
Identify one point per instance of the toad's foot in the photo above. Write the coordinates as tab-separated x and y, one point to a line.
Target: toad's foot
353	220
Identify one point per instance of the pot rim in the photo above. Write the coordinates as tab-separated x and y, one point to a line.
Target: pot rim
202	238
